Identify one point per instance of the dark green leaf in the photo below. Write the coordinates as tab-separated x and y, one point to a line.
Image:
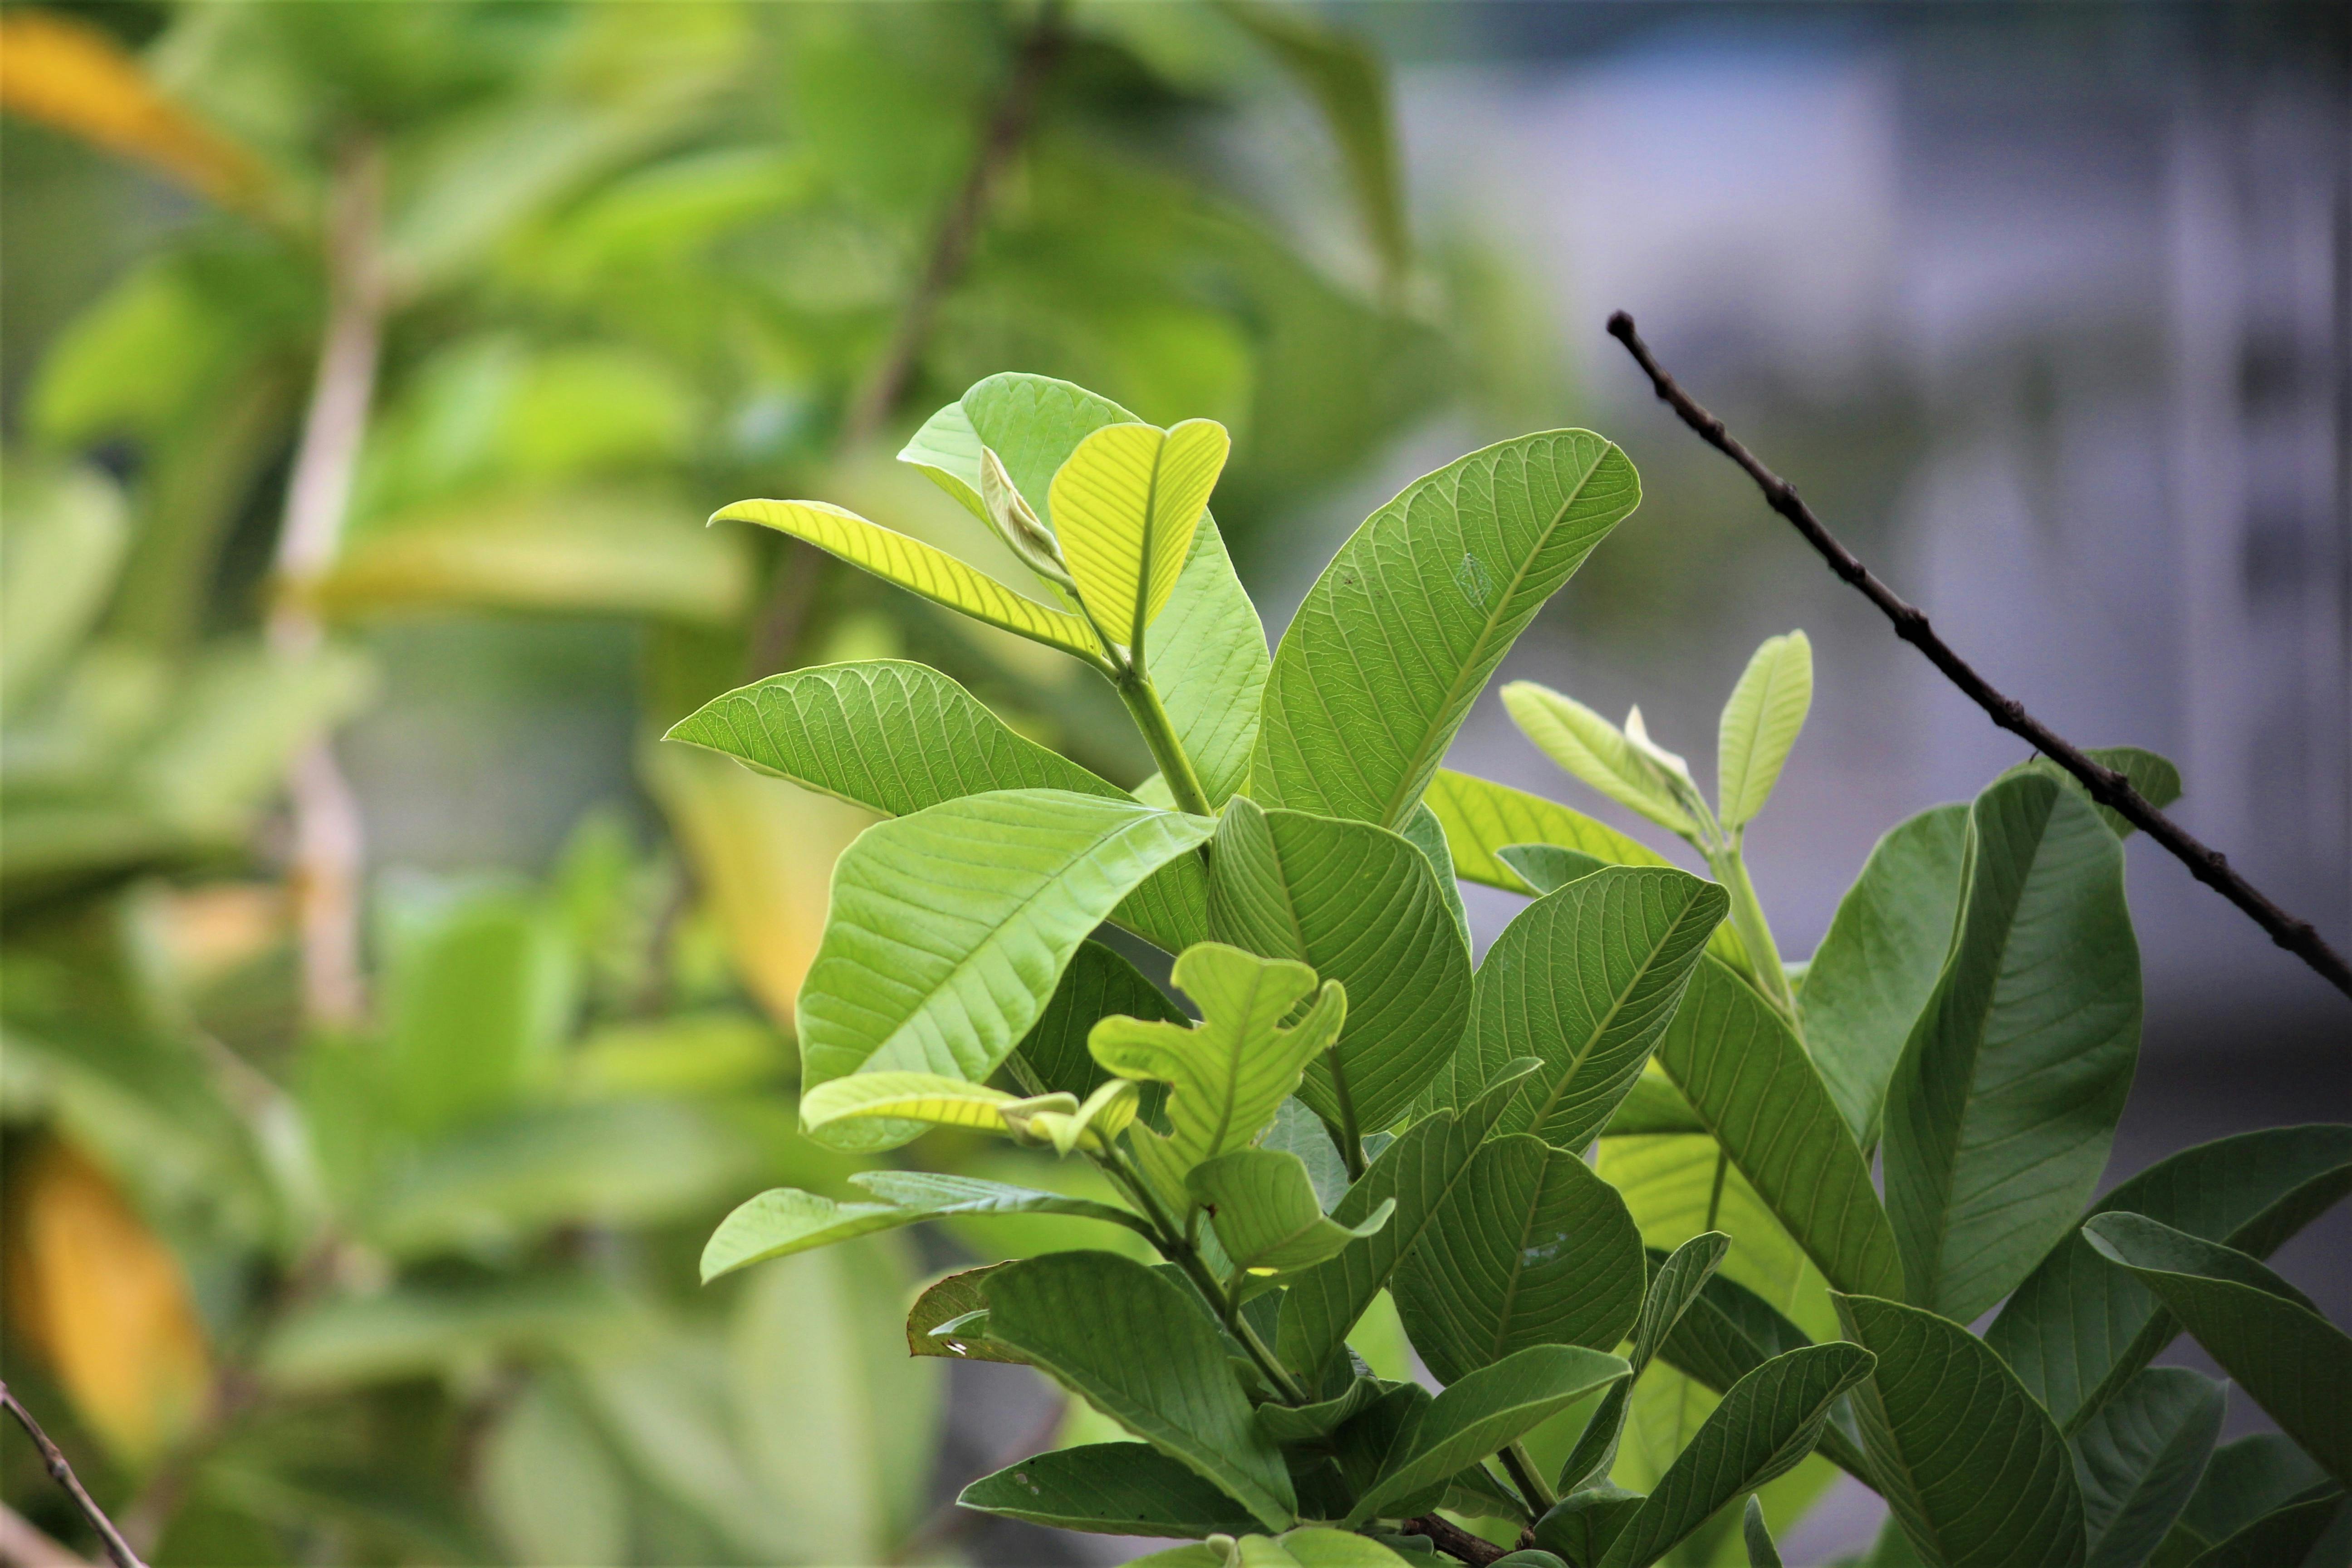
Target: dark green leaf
2079	1327
1879	962
1360	905
2156	780
1581	1527
1306	1423
1761	1552
1400	634
1480	1413
1751	1084
1129	1342
1674	1287
1653	1108
2140	1458
1585	978
1765	1426
785	1220
1420	1171
2265	1333
2004	1104
1111	1488
2286	1536
1970	1465
2247	1479
1529	1248
959	1298
1097	984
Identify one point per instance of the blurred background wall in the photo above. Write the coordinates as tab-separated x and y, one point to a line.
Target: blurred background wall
2047	309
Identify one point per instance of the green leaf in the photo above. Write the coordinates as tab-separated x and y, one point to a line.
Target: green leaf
897	738
1581	1526
2286	1535
1547	867
2080	1327
1097	984
962	1299
2140	1458
1360	905
1589	747
1482	818
1879	962
1312	1546
1586	979
1481	1411
2004	1104
1230	1073
1400	634
1766	1423
1129	1342
916	1096
2243	1482
1307	1423
1266	1213
2156	780
1759	724
785	1220
1761	1552
1124	505
1419	1173
2007	1498
1530	1247
1674	1287
930	965
1652	1107
1427	834
1210	660
2265	1333
922	569
1751	1084
1111	1488
947	451
65	542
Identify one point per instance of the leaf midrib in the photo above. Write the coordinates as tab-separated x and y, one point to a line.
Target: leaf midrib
1615	1007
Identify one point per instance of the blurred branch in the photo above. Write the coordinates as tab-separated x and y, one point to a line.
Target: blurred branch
1454	1540
327	829
2106	786
27	1545
63	1474
1007	128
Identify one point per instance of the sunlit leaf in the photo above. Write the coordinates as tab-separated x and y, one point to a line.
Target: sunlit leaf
1125	504
1759	724
1481	817
1266	1213
1589	747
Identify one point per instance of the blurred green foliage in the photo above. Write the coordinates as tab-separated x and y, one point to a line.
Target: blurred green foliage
430	1277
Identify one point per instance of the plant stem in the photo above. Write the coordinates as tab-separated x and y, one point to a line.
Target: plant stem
1730	868
61	1472
1714	1196
1142	699
1351	1138
1531	1485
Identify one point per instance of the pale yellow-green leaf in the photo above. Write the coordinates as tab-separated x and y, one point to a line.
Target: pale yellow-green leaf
921	569
915	1096
1760	722
1481	816
1124	506
1594	749
1106	1114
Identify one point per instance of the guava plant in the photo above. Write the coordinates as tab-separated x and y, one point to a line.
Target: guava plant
1630	1149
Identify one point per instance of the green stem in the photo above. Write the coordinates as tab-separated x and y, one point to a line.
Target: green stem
1715	1197
1351	1138
1755	932
1142	699
1539	1496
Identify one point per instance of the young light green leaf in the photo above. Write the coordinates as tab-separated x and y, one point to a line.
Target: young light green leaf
916	1096
1749	1081
1757	1537
1674	1287
925	966
1482	818
2002	1108
1766	1423
1209	658
2080	1327
1400	634
1229	1074
1419	1173
785	1220
1481	1411
1530	1247
1760	722
922	569
1360	905
1879	962
896	737
1110	1489
2138	1460
1052	1055
2006	1499
946	450
1129	1343
1589	747
1586	979
1427	834
1266	1213
1124	505
2265	1333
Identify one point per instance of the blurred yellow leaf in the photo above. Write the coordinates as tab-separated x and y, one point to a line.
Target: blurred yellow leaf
76	79
107	1305
763	853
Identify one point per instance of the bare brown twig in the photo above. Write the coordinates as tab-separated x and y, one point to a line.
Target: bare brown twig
63	1474
1456	1542
2106	786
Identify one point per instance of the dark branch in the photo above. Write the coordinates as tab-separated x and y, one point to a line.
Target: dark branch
62	1473
1454	1540
2106	786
